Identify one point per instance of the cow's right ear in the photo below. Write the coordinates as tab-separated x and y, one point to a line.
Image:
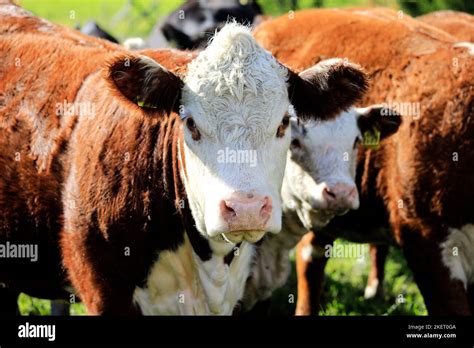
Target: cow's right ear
326	89
146	83
378	118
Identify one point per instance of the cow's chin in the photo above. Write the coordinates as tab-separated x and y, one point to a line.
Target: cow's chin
236	237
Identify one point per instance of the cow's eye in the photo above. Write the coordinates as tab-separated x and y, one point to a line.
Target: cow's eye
295	144
356	142
283	126
196	135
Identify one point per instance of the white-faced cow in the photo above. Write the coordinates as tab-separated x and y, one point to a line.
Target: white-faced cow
129	168
319	184
415	189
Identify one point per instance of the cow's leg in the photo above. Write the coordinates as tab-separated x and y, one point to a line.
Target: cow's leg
99	274
443	295
378	255
310	264
8	302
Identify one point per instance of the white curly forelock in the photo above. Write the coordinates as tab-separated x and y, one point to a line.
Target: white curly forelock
236	84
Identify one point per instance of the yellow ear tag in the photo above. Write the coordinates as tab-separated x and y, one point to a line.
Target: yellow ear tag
142	104
372	139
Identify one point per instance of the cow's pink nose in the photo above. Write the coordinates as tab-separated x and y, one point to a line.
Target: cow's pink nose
246	212
340	196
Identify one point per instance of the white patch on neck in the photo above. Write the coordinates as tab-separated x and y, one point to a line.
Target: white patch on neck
457	253
180	283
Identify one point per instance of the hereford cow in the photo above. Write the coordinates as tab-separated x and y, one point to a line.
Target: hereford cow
461	26
150	175
418	182
319	184
458	24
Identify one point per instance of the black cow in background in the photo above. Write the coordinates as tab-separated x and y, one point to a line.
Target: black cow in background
188	27
193	23
92	28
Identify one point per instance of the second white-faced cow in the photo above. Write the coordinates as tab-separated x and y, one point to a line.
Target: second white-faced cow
319	184
130	167
416	188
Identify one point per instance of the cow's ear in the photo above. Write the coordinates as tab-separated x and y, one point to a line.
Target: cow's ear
326	89
146	83
378	119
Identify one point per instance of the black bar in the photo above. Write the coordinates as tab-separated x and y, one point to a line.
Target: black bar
208	330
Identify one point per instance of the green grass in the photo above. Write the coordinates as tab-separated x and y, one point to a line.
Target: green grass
124	21
34	306
344	289
343	292
115	16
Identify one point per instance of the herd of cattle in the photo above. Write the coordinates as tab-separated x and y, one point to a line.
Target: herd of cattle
165	181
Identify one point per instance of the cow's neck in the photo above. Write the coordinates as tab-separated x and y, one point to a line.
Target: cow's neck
196	277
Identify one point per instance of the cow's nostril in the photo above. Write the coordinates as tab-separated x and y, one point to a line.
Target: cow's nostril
227	210
266	209
329	194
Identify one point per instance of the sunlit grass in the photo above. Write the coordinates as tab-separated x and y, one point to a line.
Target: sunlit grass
344	289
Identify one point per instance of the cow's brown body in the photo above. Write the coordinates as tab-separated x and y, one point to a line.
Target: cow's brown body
411	182
38	74
458	24
461	26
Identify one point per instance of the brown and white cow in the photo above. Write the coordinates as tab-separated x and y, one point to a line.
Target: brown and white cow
461	26
125	166
319	184
418	182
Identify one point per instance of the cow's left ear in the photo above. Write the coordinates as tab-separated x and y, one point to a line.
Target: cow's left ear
326	89
146	83
377	117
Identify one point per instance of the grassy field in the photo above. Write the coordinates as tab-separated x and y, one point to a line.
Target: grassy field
346	278
343	295
124	21
344	289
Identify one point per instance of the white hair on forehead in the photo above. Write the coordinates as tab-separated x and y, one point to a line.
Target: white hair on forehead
237	84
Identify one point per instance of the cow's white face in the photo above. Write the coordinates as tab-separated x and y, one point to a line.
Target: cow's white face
322	164
236	111
321	168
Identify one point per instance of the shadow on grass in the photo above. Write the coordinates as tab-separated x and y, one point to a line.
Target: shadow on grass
344	289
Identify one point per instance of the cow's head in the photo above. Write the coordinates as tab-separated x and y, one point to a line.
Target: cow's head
191	25
321	166
235	103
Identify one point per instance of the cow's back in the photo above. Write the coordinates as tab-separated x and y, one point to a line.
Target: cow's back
412	63
458	24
